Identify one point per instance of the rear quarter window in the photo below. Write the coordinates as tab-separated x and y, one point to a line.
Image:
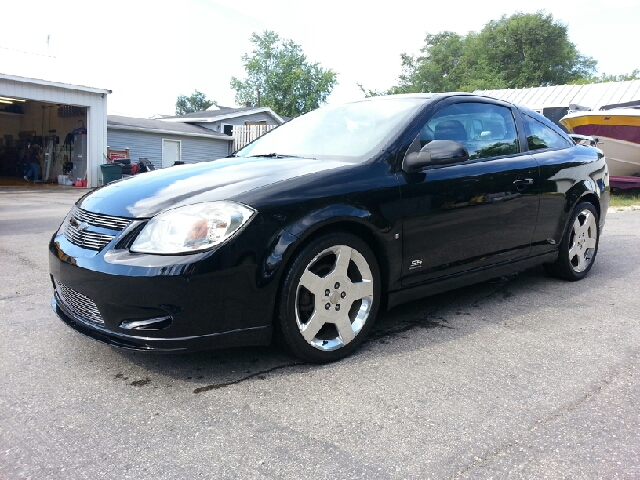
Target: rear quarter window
540	136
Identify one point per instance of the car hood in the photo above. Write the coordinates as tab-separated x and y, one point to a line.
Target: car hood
147	194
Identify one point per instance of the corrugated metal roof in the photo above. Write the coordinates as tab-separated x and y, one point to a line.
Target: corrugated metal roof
593	95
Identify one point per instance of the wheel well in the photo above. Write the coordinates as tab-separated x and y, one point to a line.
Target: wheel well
588	198
359	231
593	200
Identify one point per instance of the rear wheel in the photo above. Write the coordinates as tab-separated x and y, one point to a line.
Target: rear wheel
329	298
579	245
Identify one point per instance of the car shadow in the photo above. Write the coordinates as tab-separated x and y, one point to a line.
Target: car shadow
436	319
445	317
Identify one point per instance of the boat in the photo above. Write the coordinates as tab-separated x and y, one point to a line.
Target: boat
618	132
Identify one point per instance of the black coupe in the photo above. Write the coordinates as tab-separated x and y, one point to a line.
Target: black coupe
308	231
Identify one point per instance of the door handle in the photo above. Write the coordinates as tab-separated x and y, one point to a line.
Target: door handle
523	181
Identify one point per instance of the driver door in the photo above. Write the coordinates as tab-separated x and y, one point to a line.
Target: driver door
475	213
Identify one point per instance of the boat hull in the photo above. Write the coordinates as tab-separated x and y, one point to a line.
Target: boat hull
623	158
619	135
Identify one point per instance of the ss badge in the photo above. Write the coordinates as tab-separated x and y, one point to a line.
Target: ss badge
415	264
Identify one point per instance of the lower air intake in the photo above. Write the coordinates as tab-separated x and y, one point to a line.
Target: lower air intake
81	307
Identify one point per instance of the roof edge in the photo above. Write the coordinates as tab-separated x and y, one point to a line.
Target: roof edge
47	83
222	116
168	132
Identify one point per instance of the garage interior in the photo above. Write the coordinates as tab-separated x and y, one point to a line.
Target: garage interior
45	141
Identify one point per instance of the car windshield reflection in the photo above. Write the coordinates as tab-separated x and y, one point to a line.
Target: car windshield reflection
353	132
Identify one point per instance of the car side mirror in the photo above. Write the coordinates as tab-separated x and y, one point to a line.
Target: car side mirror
436	152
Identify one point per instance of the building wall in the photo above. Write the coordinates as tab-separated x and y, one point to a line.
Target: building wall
41	120
95	102
11	124
149	145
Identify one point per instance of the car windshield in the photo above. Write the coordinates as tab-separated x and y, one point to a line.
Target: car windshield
354	132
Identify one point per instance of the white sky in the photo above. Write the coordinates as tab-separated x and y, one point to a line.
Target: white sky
149	52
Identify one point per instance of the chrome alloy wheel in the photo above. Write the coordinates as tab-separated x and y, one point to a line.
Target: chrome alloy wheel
583	241
334	297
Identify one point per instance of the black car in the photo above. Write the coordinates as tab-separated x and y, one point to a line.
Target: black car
310	230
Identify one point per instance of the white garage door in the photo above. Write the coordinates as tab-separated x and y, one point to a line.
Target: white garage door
170	152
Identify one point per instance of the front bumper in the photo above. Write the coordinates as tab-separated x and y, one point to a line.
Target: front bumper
249	336
217	299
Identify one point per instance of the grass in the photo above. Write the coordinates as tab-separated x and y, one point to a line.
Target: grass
626	198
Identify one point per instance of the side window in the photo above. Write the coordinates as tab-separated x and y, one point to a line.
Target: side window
484	129
539	136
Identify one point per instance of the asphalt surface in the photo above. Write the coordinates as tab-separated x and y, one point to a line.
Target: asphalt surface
520	377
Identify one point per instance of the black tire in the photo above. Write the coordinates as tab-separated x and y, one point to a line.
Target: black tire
579	246
304	306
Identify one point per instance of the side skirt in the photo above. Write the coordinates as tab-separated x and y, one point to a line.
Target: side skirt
462	279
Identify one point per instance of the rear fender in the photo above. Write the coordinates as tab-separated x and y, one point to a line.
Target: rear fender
583	191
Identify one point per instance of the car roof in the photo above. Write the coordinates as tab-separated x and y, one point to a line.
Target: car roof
435	96
415	95
440	96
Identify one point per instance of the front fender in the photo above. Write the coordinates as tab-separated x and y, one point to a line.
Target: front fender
305	226
379	233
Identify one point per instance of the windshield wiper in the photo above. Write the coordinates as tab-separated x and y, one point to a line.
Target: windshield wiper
272	155
279	155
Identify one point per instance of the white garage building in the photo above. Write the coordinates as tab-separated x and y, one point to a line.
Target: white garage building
44	113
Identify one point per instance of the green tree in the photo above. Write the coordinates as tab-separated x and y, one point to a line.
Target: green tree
625	77
438	69
279	75
604	78
197	102
523	50
370	93
533	49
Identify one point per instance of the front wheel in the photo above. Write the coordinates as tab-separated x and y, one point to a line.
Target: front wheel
579	245
329	298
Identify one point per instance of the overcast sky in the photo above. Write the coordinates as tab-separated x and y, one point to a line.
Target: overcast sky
149	52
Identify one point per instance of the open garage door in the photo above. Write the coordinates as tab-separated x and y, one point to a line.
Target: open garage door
51	133
42	142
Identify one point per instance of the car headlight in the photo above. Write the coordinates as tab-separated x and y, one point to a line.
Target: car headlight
192	228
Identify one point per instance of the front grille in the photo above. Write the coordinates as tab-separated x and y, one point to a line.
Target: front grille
76	228
77	304
99	220
86	238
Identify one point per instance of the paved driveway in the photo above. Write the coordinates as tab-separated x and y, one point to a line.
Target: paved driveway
520	377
